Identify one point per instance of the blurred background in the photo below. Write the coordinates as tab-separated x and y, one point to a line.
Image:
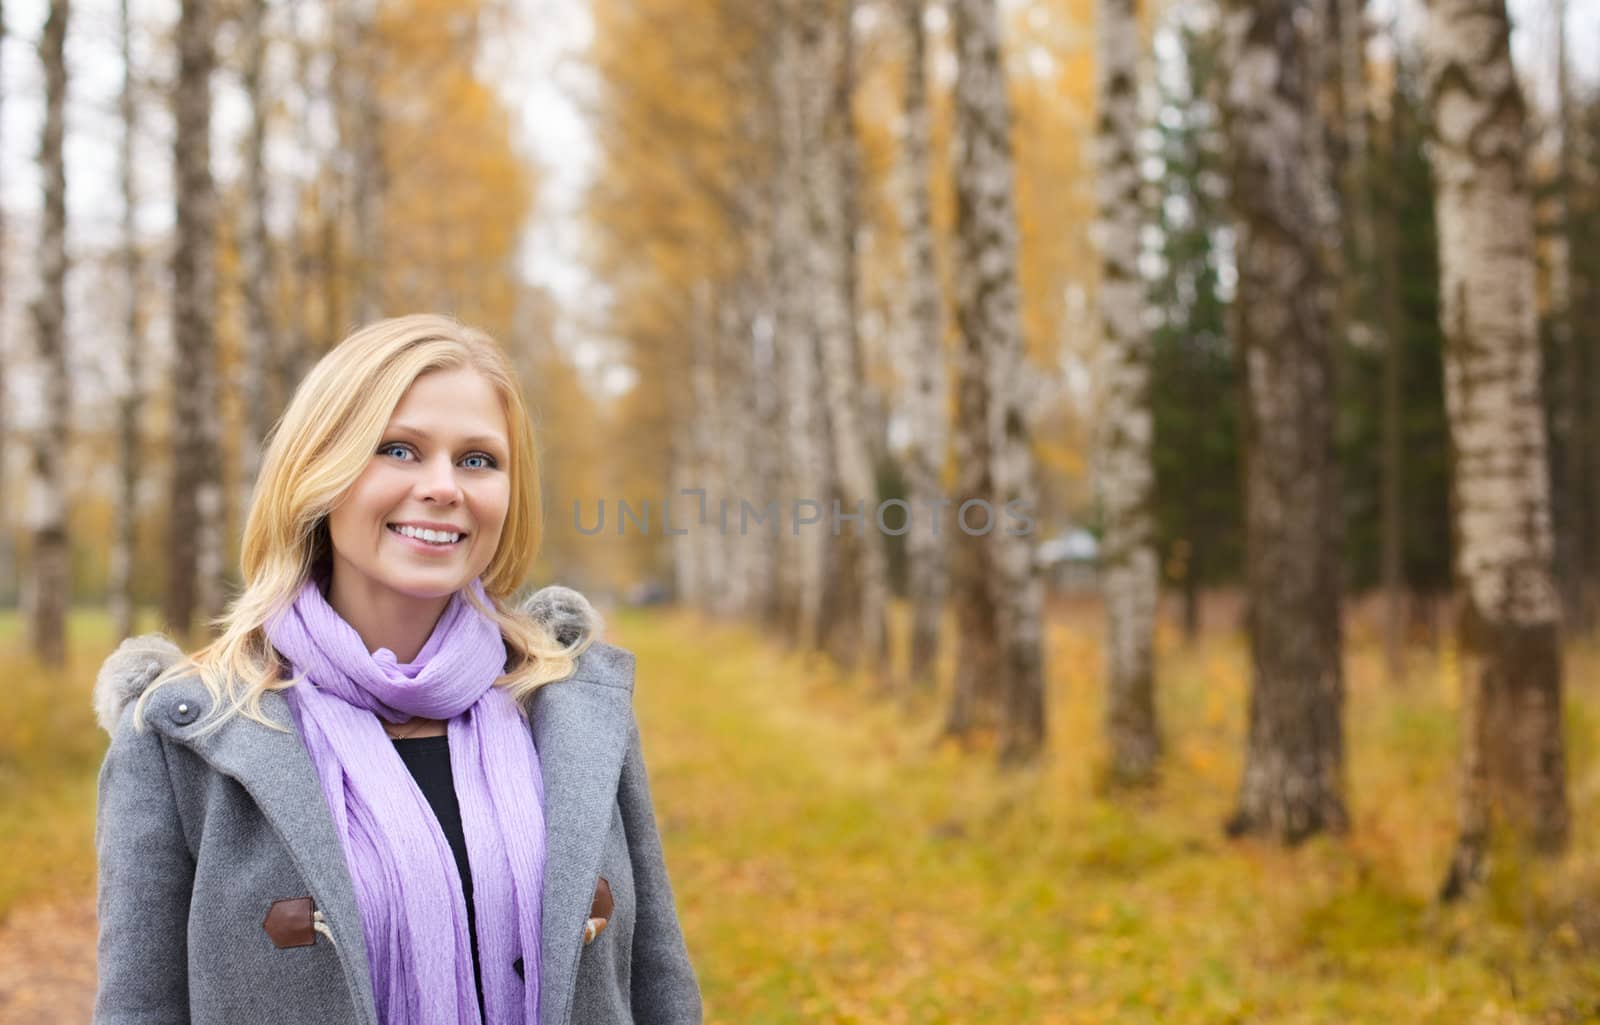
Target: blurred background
1103	492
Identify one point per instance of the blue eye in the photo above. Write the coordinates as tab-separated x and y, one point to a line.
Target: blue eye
489	462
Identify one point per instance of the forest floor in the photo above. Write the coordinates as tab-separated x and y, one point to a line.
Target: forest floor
834	864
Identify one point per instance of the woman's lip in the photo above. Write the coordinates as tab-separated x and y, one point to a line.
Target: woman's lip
425	546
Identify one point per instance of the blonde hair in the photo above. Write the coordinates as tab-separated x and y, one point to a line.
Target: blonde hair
318	448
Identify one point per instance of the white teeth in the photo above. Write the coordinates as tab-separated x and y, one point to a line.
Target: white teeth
435	536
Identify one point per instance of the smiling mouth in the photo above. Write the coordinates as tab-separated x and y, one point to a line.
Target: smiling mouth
460	537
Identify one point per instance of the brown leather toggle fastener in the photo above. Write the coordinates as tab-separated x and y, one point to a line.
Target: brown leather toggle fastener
289	922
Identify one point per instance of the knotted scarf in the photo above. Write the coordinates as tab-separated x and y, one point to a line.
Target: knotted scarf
406	882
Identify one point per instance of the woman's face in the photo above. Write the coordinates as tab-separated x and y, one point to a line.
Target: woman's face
443	465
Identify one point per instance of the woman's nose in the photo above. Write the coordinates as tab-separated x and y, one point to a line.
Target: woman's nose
439	481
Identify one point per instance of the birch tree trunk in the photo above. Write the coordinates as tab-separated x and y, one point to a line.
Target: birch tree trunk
334	240
362	135
194	537
993	396
925	361
1292	785
1371	284
801	549
125	535
1127	475
1567	418
752	352
1513	763
863	571
7	554
739	460
706	475
258	271
687	569
1387	244
52	569
304	260
762	463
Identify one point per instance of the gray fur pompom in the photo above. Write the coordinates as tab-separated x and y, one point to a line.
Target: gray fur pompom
567	613
127	671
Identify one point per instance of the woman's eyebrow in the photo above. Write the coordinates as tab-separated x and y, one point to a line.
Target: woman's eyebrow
491	440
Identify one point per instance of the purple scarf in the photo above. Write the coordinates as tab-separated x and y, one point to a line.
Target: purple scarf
405	876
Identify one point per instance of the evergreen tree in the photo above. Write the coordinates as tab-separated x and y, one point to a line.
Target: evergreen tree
1194	386
1403	200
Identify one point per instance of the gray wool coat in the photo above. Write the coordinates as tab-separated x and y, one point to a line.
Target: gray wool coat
224	897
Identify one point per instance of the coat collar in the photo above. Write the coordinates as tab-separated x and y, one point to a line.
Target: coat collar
581	727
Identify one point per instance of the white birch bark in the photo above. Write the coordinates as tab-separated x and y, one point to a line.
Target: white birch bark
8	573
706	463
1126	425
801	576
258	273
993	390
750	356
304	265
194	523
687	577
362	136
832	250
740	461
131	401
51	578
924	360
1513	760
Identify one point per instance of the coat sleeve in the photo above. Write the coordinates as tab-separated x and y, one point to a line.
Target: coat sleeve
146	879
665	991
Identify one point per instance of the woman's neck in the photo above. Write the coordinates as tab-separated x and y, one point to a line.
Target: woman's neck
384	618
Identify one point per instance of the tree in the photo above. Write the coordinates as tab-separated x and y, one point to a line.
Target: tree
7	556
258	270
801	568
1292	784
194	516
1565	397
999	593
1584	233
856	618
129	403
1194	377
51	551
1395	453
358	72
925	359
704	250
1513	762
1127	477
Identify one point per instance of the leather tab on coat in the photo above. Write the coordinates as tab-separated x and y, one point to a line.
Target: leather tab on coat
289	923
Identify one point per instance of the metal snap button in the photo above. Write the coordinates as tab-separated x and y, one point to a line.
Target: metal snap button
184	714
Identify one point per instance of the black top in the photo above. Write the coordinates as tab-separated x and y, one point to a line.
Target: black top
428	758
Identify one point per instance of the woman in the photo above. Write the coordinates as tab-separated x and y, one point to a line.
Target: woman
384	795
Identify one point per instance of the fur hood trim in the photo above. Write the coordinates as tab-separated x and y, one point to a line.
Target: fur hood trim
137	661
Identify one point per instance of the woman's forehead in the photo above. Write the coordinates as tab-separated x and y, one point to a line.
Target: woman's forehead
456	405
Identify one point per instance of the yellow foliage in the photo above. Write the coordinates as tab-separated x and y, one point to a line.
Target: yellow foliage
456	191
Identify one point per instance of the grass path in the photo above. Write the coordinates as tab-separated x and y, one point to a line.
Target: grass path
832	866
